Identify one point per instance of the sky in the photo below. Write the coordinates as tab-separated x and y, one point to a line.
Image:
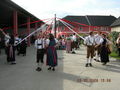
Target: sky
44	9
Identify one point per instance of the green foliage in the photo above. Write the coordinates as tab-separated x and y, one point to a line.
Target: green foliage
114	36
115	55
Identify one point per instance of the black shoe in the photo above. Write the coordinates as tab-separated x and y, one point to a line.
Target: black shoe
90	64
49	68
95	59
53	69
38	69
13	63
98	60
73	52
86	65
24	55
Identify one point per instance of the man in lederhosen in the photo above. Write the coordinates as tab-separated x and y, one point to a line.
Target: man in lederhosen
90	43
40	46
74	39
98	37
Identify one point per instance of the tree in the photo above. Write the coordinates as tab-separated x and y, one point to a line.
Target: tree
114	36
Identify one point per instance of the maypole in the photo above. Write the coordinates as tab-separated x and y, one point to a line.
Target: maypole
55	26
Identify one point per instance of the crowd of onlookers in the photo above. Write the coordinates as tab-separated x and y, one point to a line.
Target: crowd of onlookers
67	43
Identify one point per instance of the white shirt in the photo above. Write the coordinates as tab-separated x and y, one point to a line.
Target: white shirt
97	39
101	41
40	43
17	40
108	41
7	42
48	41
74	38
7	37
89	40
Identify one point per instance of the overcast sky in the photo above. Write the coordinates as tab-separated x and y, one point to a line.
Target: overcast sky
44	9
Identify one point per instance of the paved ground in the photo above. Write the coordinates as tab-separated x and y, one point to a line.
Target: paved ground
71	74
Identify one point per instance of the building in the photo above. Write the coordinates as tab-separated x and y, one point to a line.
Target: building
85	24
16	20
115	26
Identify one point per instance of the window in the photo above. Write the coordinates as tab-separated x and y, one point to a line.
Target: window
63	36
95	28
102	29
80	28
106	28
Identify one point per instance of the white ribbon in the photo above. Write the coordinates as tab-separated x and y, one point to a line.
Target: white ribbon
71	29
39	29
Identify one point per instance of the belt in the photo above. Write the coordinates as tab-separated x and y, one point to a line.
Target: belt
39	44
40	49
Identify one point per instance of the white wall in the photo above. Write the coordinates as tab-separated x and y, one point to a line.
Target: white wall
117	29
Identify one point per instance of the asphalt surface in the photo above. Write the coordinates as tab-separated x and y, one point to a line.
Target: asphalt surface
71	73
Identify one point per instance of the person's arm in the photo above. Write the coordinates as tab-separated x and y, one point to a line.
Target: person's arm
47	43
56	42
85	41
2	31
35	43
6	43
101	40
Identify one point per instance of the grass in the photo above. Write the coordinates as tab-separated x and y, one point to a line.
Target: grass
115	55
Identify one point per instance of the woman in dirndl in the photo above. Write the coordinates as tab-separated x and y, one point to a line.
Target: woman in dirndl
23	47
11	50
68	45
104	50
51	52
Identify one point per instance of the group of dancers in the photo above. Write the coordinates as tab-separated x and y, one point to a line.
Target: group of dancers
97	48
97	43
46	45
11	45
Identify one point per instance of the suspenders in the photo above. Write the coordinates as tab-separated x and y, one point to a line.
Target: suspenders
40	44
90	41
